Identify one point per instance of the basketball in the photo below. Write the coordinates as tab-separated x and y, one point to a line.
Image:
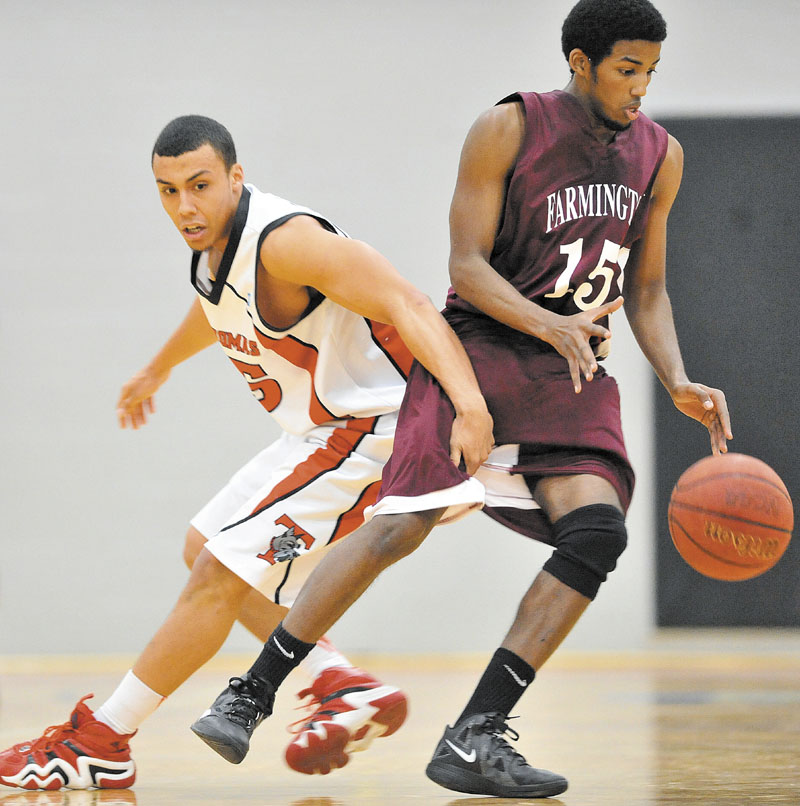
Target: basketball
730	516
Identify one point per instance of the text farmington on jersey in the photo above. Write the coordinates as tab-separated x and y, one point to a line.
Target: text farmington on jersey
599	199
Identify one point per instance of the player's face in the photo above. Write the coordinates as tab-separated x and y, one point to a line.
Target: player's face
199	194
618	83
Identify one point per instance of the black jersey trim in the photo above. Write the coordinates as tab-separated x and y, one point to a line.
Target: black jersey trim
277	595
237	294
317	297
515	96
388	355
237	228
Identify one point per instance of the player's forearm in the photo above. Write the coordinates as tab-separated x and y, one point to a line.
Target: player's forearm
192	335
649	313
476	282
434	344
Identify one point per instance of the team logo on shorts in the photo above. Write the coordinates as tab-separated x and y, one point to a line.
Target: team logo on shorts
288	544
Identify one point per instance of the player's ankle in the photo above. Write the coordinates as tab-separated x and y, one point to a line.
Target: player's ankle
282	653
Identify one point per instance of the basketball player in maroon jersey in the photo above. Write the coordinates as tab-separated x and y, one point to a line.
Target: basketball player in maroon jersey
560	207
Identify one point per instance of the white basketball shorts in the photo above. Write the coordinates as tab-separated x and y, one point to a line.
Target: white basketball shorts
275	519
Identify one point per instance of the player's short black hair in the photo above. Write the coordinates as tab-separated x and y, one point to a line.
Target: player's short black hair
190	132
594	26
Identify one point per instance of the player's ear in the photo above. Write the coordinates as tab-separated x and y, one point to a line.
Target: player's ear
579	63
237	176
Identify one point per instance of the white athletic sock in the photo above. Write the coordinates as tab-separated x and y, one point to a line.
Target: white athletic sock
323	656
130	704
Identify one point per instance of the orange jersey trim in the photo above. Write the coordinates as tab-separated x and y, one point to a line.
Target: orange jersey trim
350	521
304	356
339	446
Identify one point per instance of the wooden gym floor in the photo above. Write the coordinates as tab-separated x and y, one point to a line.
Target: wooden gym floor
703	718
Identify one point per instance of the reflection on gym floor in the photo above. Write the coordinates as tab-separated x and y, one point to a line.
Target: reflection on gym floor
672	726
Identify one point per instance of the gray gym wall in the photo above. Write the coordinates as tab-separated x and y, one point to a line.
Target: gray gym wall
357	109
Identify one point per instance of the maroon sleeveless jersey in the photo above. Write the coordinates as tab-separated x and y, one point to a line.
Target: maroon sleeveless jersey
574	207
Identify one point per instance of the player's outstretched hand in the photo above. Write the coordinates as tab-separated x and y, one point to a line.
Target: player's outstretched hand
136	398
471	439
570	335
709	407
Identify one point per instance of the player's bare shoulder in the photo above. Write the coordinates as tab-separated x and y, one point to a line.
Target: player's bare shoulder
283	292
502	121
669	176
674	157
288	238
496	137
292	248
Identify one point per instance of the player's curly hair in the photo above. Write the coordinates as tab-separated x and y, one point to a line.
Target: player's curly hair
190	132
594	26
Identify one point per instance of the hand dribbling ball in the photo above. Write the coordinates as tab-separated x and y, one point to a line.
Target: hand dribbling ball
730	516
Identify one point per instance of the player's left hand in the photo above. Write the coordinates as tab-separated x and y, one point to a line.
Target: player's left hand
471	439
709	407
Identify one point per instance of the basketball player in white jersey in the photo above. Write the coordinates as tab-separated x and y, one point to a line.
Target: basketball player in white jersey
323	330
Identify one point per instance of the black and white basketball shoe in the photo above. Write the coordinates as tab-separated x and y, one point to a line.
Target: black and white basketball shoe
228	724
474	757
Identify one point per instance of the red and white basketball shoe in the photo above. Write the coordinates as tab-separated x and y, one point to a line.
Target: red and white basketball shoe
350	709
79	754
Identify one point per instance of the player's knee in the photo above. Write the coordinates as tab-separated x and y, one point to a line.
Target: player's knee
192	546
588	544
396	536
211	579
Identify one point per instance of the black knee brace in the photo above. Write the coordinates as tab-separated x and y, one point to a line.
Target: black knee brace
588	543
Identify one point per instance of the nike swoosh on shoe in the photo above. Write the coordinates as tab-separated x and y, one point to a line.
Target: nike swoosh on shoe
468	757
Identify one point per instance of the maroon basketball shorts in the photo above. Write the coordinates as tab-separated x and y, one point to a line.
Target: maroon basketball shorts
542	428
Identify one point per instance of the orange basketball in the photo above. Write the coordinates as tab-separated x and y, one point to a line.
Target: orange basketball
730	516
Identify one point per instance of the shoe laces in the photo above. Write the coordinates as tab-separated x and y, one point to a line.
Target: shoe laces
51	736
248	705
314	701
497	726
310	708
57	733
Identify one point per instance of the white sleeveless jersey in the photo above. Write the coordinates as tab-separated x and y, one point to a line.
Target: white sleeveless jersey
331	365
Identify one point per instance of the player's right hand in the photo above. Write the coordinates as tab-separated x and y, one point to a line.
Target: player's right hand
471	439
136	398
570	335
709	407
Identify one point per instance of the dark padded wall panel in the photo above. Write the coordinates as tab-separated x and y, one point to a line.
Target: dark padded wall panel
734	278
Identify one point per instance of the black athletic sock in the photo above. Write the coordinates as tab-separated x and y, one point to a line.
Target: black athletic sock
503	683
280	655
